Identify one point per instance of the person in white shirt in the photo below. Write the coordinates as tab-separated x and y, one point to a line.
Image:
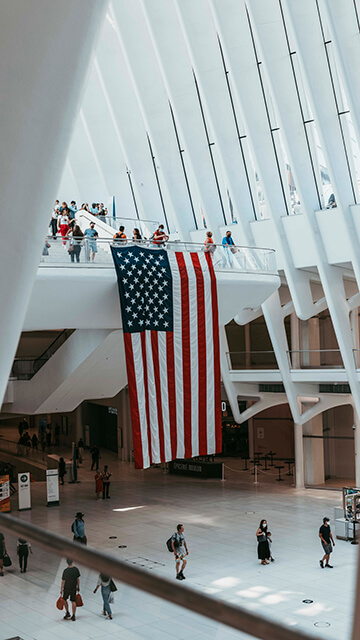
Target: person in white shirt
63	226
105	583
54	222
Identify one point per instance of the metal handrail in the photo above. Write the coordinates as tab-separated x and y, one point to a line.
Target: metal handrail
236	617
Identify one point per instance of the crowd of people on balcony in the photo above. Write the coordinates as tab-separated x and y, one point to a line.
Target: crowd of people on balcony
64	222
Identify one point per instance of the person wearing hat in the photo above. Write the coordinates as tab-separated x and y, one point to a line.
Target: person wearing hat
90	242
78	528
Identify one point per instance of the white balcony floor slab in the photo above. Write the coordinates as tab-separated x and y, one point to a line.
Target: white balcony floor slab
220	522
297	375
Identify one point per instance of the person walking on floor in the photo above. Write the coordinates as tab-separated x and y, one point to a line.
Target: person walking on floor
98	484
263	544
70	585
180	551
2	553
62	470
34	441
95	455
106	475
81	447
105	583
326	538
78	528
268	537
23	549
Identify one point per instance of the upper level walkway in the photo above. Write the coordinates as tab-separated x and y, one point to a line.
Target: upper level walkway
84	295
307	365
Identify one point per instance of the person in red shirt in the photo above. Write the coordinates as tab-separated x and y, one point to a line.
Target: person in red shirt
160	236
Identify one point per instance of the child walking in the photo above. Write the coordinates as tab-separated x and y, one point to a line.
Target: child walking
268	535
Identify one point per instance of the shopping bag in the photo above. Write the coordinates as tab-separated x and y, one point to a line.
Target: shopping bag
60	603
7	561
79	600
113	586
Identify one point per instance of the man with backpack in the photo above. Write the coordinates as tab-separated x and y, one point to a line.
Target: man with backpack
180	550
78	528
120	235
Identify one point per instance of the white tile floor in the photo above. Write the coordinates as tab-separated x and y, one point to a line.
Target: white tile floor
220	523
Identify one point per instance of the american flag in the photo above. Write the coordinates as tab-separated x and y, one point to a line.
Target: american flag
169	313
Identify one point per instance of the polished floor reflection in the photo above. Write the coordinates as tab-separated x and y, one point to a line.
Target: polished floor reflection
220	521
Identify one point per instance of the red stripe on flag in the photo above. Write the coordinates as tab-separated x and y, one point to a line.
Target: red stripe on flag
134	405
170	361
155	354
185	323
217	373
202	378
146	387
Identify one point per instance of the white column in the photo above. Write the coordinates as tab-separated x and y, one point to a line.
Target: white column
78	424
299	456
41	79
357	448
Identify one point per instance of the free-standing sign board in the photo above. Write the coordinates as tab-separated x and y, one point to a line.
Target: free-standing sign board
24	495
4	493
52	487
197	469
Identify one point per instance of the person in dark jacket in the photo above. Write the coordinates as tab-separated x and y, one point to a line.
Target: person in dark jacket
23	549
263	544
62	470
34	441
95	455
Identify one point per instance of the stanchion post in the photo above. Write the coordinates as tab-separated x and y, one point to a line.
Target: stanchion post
255	479
222	472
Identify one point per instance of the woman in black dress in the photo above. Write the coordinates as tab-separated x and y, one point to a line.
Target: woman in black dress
263	545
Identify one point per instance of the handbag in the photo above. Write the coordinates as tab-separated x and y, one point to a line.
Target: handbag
71	248
79	600
7	561
113	586
60	603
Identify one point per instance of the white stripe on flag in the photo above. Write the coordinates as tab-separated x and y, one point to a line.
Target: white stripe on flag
154	425
178	354
193	355
164	393
210	391
139	376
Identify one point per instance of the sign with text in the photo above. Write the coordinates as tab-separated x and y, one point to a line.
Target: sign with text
52	487
24	495
4	494
198	469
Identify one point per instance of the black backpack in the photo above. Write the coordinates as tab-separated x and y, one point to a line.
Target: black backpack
169	545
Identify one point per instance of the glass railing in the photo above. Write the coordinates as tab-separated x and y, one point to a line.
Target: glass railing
251	360
304	359
37	454
24	368
146	227
89	252
315	359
